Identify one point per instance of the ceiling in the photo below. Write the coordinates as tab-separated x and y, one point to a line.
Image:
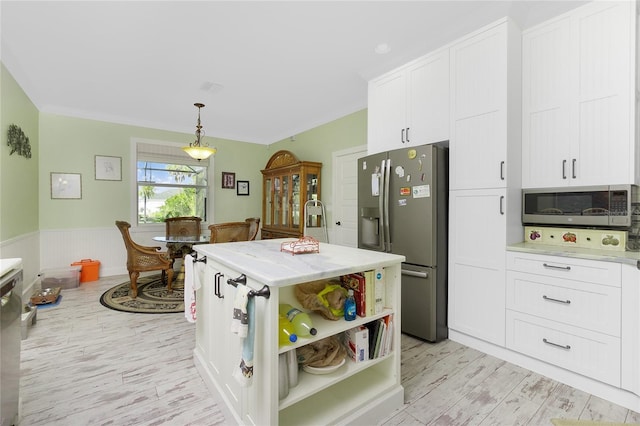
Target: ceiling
265	70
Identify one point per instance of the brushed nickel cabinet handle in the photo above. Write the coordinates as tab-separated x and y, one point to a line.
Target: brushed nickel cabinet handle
502	170
573	168
557	345
563	268
551	299
564	166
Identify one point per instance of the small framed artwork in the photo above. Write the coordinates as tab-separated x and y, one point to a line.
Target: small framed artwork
108	168
243	187
228	180
66	186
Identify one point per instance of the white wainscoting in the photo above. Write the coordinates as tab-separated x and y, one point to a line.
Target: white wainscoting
26	247
59	248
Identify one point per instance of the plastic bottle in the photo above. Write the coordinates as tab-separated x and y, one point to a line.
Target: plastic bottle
301	321
286	335
350	307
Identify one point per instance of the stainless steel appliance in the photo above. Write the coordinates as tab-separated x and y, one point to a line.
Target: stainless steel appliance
402	207
10	335
615	206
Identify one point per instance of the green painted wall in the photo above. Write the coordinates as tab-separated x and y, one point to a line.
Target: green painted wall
18	175
319	143
68	145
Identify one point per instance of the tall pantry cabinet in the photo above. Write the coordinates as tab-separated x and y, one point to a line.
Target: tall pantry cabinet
485	176
579	97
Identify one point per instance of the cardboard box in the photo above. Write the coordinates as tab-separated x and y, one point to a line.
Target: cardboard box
64	278
357	343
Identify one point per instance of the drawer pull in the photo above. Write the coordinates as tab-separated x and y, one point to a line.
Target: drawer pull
563	268
567	347
551	299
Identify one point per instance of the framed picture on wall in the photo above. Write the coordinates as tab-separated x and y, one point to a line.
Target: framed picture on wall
108	168
66	186
228	180
243	187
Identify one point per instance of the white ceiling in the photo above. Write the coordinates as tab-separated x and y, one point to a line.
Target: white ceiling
265	70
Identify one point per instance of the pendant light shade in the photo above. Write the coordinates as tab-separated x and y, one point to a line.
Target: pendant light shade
198	150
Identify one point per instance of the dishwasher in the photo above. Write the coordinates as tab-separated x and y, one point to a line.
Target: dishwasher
10	337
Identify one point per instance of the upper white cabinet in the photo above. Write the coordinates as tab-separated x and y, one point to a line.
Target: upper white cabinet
410	105
578	98
485	109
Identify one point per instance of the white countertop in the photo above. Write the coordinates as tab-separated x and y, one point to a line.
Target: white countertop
263	261
7	265
628	257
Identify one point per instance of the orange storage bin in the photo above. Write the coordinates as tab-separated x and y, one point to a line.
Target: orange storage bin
90	269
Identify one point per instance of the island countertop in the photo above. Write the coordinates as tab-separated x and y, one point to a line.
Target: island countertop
263	261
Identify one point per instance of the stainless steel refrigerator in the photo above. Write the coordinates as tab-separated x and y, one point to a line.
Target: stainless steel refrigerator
402	208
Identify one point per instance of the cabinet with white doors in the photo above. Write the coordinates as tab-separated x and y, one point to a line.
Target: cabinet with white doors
566	312
485	108
410	105
484	197
360	392
215	306
630	330
579	98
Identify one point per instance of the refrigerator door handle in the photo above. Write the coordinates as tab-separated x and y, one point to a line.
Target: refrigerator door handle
417	274
381	203
386	222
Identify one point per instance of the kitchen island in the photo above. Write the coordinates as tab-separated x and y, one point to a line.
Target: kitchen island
367	391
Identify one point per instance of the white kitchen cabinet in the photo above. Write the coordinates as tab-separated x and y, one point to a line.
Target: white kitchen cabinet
219	343
477	263
366	391
579	98
410	105
566	312
484	196
631	329
485	109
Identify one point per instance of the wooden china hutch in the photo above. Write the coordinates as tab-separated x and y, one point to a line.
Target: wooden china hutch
287	183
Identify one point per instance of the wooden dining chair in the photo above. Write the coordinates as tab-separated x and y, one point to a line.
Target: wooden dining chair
229	232
144	258
184	227
254	227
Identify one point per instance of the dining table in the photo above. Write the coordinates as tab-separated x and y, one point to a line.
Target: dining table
181	244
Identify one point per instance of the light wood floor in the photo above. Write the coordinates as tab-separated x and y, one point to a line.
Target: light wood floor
84	364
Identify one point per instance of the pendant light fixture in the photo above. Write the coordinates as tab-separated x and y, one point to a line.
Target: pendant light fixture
196	149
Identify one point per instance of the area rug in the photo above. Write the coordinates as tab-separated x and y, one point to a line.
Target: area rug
153	297
569	422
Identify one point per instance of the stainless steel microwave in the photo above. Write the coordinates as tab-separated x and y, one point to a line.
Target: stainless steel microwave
592	206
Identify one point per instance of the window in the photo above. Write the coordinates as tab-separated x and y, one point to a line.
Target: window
169	184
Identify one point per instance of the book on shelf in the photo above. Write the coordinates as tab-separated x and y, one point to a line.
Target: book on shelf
369	285
379	338
373	327
389	338
356	283
379	290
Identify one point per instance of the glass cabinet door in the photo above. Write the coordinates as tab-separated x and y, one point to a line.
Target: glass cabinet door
285	200
295	200
312	187
268	201
277	199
